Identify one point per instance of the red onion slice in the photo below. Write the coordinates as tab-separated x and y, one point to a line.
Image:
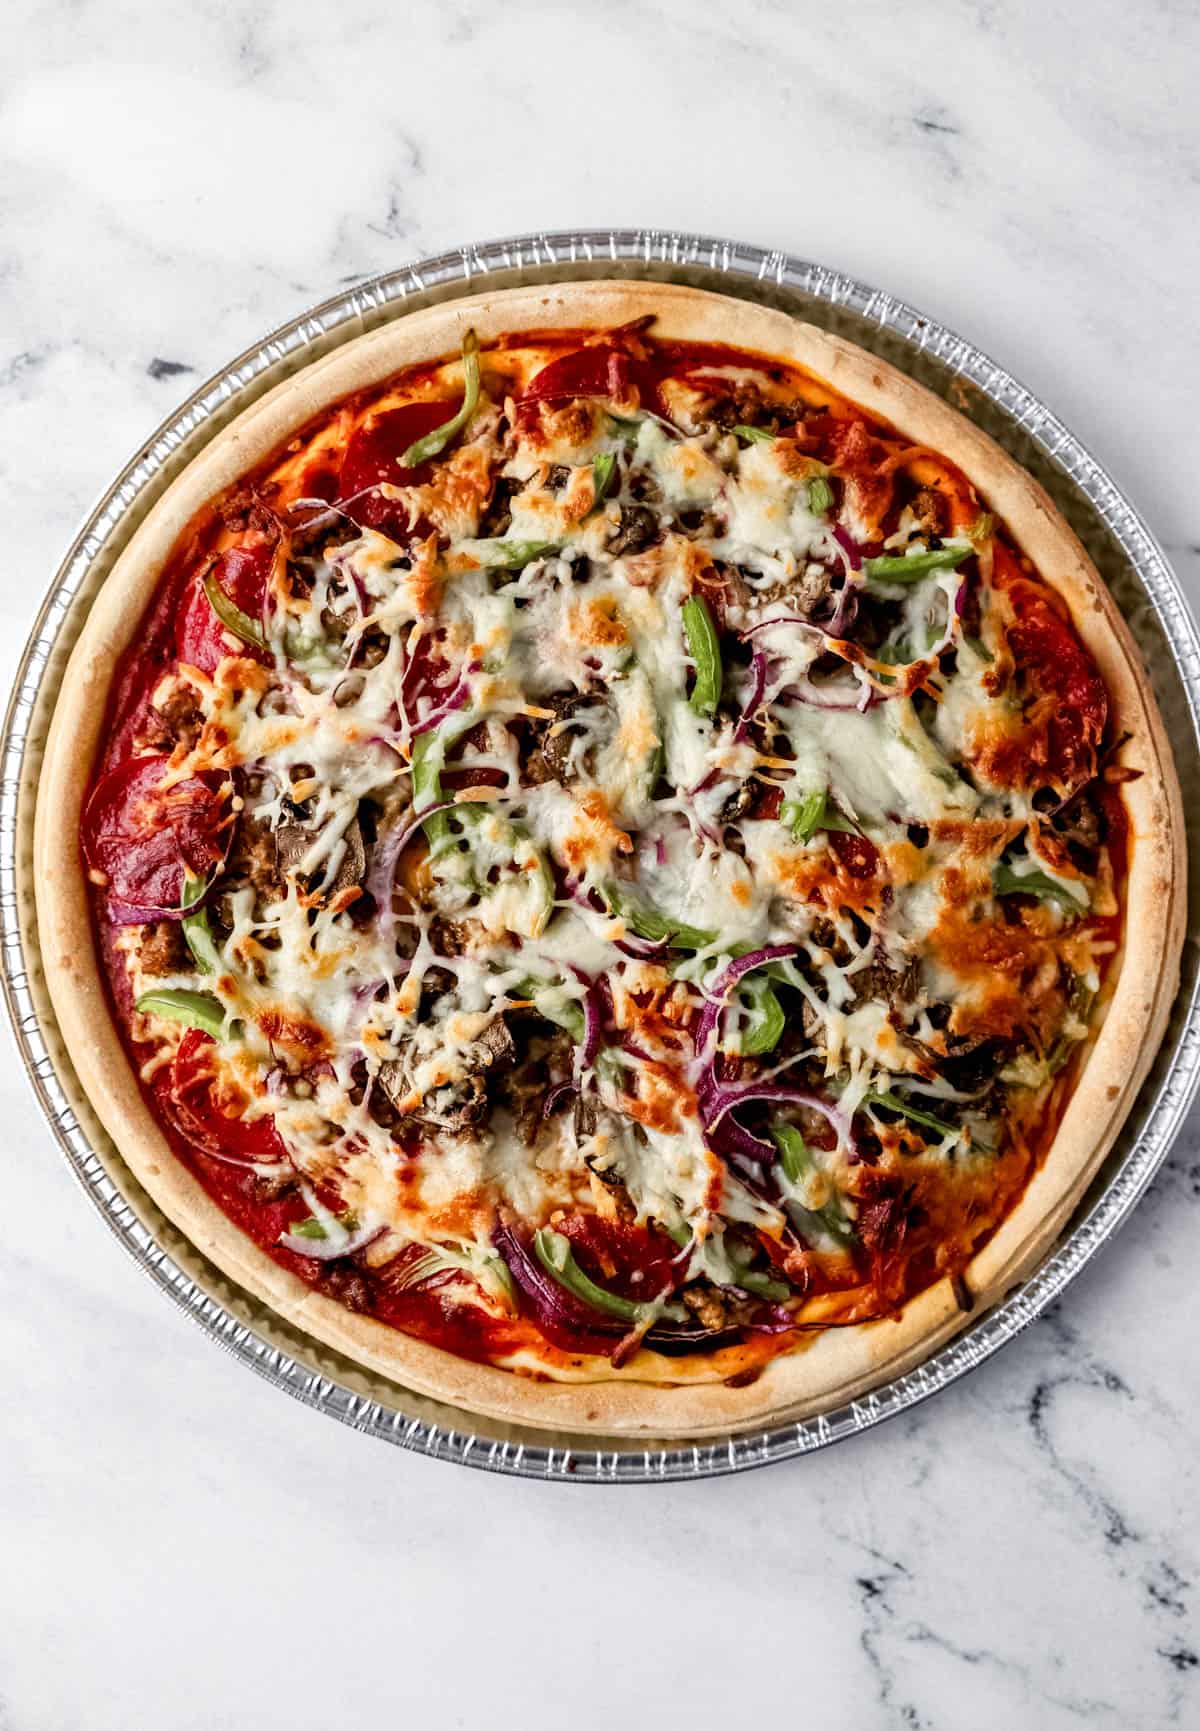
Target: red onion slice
718	1099
723	985
585	1051
453	701
382	876
849	547
758	669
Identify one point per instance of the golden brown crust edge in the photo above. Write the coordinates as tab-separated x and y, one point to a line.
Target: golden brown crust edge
835	1366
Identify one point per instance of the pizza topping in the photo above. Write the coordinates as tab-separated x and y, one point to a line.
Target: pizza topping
705	650
192	1009
554	1253
227	597
632	860
432	444
231	615
910	567
146	828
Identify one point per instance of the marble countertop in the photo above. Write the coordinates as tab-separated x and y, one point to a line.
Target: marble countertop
181	1545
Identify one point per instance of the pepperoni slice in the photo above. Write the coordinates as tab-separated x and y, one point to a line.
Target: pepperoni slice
858	857
201	639
633	1261
1062	695
427	672
193	1098
602	370
373	456
145	838
767	801
858	455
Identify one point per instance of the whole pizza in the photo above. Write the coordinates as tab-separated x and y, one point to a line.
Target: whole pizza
610	857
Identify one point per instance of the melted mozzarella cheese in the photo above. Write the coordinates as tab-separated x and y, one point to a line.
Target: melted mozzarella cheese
578	655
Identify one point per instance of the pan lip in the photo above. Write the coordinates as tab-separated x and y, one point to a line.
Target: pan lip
463	270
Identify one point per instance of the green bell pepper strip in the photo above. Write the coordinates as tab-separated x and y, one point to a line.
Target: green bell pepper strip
604	468
197	933
757	1281
804	817
554	1253
446	1258
495	1268
794	1154
313	650
767	1019
421	450
796	1161
1006	882
1060	1054
503	555
1079	1001
820	495
545	879
314	1228
754	435
761	1285
908	567
628	429
231	615
177	1004
565	1014
655	927
425	767
895	1103
704	647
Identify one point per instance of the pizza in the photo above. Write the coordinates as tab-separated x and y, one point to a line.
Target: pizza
610	856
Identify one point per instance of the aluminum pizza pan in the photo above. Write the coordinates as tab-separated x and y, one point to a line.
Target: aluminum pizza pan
1121	546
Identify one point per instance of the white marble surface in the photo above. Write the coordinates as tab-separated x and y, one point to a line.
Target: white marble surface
180	1546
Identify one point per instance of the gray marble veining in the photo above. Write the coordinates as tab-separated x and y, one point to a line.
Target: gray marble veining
181	1546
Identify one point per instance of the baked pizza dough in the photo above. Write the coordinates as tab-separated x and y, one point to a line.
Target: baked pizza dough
610	856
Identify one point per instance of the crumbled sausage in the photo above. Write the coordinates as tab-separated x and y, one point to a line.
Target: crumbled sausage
345	1283
807	590
177	721
449	938
271	1186
706	1304
246	510
928	506
726	591
254	860
163	949
880	980
748	406
804	592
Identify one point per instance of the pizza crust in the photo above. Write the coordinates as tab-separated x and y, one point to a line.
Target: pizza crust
836	1365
